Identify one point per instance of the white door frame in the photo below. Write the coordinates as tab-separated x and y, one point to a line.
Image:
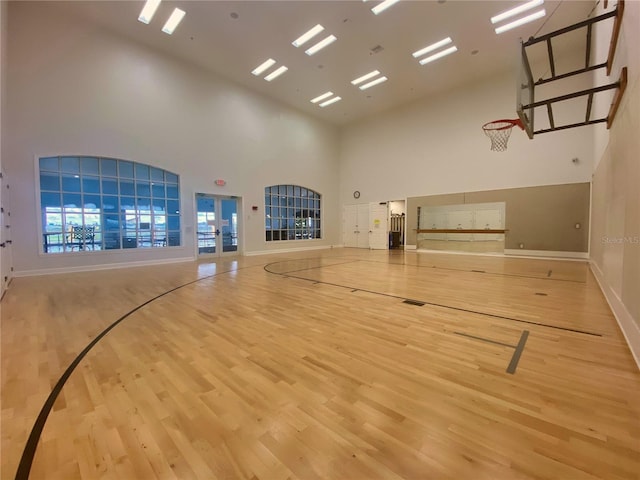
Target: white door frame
379	226
218	226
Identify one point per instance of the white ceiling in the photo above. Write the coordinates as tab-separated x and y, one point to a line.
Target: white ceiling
231	38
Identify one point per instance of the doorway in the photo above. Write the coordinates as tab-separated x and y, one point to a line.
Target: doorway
355	225
217	225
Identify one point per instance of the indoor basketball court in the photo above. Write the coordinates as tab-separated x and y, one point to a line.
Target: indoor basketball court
182	298
338	364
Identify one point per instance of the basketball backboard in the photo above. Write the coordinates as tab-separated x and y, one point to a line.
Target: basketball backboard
529	97
525	94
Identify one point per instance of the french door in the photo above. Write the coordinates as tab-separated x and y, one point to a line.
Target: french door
217	225
355	225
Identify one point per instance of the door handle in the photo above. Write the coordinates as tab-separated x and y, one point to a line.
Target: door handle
2	245
217	232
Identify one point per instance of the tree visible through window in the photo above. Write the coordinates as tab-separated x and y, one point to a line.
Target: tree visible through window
93	203
291	213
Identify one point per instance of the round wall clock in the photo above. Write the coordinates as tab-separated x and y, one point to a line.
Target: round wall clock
356	194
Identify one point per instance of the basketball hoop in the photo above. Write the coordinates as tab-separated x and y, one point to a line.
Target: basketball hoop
499	132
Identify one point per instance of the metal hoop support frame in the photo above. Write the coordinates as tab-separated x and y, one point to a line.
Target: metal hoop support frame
499	132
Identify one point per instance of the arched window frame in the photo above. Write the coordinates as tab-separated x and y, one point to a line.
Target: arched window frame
292	212
91	204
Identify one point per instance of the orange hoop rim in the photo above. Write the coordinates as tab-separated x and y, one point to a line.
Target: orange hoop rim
509	123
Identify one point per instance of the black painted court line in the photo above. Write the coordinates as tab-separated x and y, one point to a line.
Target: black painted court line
516	355
478	271
26	460
541	294
459	309
417	303
485	339
513	364
311	268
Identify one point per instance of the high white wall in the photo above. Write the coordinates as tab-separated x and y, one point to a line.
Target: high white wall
75	89
3	65
615	227
437	146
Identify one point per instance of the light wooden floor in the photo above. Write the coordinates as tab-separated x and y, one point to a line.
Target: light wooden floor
312	366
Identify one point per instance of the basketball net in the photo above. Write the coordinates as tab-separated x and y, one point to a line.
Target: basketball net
499	132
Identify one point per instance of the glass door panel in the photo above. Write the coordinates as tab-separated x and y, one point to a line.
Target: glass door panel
206	222
217	220
229	224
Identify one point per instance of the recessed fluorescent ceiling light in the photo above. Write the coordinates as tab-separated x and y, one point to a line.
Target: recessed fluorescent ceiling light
148	11
322	97
374	82
321	44
432	47
515	11
365	77
381	7
522	21
276	73
263	66
438	55
329	102
304	38
174	21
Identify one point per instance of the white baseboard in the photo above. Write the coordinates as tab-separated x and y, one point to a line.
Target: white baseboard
410	247
291	250
107	266
546	253
629	327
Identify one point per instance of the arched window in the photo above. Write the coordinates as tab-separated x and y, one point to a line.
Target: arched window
91	203
291	212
